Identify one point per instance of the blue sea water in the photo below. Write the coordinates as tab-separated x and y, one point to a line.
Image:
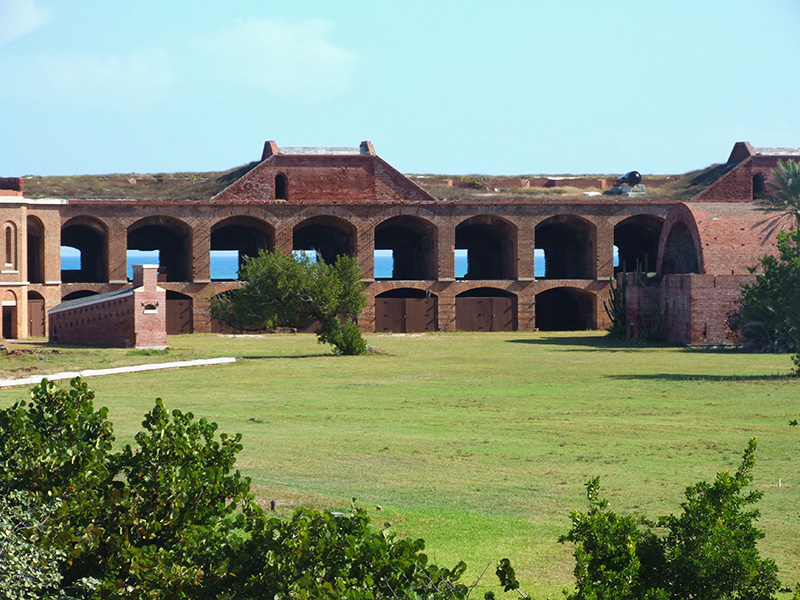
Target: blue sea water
225	264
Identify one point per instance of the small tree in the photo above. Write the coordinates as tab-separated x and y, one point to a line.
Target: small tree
784	195
769	307
288	290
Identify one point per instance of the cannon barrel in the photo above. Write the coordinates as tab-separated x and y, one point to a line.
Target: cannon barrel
631	178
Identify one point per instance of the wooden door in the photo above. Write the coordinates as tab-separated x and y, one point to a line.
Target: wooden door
390	315
179	316
420	314
36	317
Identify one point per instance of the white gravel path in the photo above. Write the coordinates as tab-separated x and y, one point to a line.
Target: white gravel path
33	380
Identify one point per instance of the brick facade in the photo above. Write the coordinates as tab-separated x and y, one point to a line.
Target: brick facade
349	200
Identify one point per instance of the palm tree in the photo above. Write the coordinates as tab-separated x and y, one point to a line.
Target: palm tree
784	196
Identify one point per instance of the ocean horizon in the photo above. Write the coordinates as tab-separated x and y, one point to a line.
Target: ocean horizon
225	264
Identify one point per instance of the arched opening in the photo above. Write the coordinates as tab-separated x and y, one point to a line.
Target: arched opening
406	310
490	244
179	313
281	187
486	309
329	237
9	317
10	234
567	243
405	249
759	186
565	309
680	252
233	241
164	238
636	242
36	315
83	251
35	250
78	294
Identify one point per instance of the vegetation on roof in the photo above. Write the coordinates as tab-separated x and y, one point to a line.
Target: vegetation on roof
136	186
203	186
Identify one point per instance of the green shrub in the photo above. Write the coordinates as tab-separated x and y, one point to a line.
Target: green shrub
707	552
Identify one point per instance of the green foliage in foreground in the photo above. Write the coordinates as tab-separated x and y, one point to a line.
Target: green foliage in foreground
708	552
288	290
171	518
769	307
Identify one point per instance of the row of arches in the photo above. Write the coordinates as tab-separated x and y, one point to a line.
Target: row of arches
565	246
410	310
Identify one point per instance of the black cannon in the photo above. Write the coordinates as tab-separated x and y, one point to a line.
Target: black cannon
631	178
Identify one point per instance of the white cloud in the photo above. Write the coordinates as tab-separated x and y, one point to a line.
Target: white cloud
18	17
130	82
292	59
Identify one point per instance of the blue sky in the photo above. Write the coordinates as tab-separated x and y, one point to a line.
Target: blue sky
502	87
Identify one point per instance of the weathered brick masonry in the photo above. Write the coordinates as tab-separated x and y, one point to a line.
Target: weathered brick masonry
349	200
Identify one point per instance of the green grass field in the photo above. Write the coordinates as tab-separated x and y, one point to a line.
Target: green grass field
480	443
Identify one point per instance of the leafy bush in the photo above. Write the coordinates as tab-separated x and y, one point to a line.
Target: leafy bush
170	517
28	570
288	290
708	552
771	321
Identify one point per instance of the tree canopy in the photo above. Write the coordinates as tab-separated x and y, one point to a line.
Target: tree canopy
769	306
784	191
291	290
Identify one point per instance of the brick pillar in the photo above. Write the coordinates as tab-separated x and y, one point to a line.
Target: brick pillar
52	250
525	246
365	250
447	307
201	252
526	307
117	253
447	243
604	249
284	236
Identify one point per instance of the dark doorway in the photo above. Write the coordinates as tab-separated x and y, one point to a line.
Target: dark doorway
328	236
490	243
412	244
88	237
680	252
9	322
568	245
565	309
244	235
35	250
171	239
636	239
486	309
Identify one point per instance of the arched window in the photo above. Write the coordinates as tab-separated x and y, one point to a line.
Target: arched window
11	245
758	186
281	187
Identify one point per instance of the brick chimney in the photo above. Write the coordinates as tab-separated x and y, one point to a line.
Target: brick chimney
145	276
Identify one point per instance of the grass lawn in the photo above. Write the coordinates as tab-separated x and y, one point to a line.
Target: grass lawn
481	443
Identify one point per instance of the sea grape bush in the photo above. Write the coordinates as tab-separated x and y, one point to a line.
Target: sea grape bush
707	552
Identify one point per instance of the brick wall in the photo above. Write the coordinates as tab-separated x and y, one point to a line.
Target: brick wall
133	317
